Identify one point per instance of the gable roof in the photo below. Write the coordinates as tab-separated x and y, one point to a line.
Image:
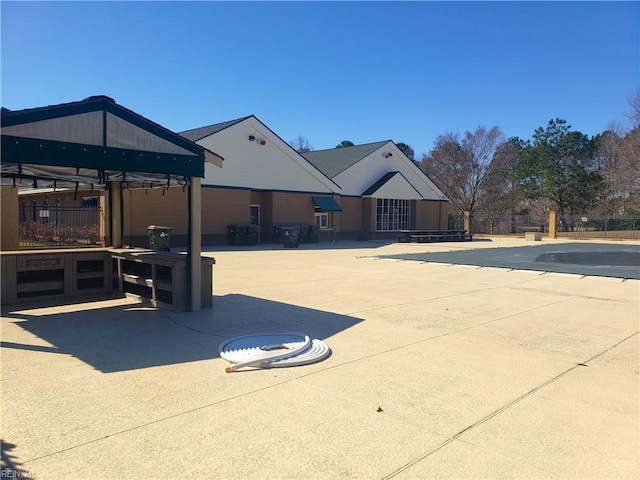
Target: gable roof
196	134
334	161
96	134
393	185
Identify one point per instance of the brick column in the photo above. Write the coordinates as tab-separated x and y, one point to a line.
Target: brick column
553	222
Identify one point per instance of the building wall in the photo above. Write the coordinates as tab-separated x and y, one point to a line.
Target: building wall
431	215
151	207
222	207
349	224
292	208
9	226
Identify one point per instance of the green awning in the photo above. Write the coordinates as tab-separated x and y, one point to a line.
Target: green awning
327	204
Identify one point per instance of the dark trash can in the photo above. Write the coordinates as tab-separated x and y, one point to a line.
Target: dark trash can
312	234
303	237
251	235
237	235
159	237
290	236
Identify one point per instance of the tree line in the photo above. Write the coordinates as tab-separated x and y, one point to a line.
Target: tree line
559	168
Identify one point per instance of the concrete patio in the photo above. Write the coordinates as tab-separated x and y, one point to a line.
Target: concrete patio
437	371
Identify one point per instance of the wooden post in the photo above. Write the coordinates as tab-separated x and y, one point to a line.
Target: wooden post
195	211
9	230
115	214
553	222
467	222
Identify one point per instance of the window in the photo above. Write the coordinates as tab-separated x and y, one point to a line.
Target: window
322	218
393	214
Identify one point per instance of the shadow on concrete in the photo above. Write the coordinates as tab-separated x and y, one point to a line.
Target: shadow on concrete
587	259
134	336
10	467
338	245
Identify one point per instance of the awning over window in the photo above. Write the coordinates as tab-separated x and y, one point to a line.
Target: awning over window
327	204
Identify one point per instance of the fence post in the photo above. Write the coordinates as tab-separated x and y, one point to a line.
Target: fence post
552	224
467	222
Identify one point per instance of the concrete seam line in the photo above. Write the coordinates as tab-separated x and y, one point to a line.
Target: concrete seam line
400	347
502	409
160	420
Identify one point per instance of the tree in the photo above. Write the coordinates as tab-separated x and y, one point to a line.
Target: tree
407	150
502	191
301	144
634	108
345	143
458	166
559	165
619	163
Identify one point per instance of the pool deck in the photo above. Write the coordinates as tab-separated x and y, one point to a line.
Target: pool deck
437	371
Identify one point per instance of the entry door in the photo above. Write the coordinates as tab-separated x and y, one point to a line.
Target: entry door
255	217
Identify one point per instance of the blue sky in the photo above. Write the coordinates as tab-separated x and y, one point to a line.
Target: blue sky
330	71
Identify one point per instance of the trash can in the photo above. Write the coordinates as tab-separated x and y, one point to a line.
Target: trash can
237	234
312	234
290	236
302	238
159	237
252	234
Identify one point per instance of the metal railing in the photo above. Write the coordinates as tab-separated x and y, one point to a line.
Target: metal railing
625	227
483	224
51	226
599	226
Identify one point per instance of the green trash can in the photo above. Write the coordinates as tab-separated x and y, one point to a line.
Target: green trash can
291	236
252	234
303	233
312	234
237	235
159	237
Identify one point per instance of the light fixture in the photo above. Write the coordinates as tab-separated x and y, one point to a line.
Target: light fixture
387	154
262	142
252	138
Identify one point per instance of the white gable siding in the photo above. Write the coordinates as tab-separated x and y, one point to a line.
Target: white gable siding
272	166
397	187
359	177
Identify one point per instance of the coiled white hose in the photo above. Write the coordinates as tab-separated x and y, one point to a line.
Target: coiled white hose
266	350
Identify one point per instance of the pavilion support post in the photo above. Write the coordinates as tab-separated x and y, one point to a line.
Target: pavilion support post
467	221
194	236
115	214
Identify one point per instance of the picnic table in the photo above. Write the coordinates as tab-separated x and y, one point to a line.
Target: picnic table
421	236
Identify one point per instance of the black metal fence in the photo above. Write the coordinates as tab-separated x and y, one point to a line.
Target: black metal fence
51	226
575	226
501	224
599	226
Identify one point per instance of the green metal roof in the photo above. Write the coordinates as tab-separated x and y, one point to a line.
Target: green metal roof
327	204
334	161
26	140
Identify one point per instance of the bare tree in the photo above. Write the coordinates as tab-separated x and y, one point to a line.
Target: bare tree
458	166
633	112
301	144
